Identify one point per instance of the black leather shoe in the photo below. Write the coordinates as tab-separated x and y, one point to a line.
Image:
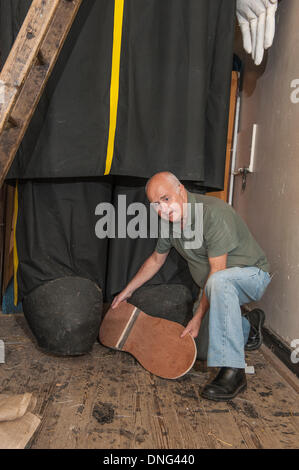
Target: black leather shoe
226	385
256	318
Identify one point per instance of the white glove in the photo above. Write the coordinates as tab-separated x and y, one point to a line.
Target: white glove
257	22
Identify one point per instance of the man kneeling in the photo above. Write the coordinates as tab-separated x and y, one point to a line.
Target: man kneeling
224	260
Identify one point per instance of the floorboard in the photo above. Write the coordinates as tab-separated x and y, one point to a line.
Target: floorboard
106	400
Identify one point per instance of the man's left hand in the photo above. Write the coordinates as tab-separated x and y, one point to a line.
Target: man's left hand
193	326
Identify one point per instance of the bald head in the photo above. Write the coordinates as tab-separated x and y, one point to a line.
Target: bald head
164	178
167	194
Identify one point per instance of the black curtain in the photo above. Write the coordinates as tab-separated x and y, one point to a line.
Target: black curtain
56	236
174	85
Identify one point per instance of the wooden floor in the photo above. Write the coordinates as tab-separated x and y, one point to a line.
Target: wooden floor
106	400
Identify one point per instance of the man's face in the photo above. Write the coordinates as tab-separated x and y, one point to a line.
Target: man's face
167	199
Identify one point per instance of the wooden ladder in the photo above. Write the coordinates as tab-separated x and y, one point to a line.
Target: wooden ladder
28	68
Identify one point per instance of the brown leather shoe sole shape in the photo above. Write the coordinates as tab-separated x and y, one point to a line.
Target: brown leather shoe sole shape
154	342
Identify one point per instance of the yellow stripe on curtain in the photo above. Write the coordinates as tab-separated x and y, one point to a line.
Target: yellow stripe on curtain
114	87
15	251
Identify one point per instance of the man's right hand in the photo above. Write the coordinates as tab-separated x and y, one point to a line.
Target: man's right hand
123	295
149	268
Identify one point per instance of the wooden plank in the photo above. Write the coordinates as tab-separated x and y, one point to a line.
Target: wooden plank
286	373
23	53
232	112
276	401
34	85
263	412
218	429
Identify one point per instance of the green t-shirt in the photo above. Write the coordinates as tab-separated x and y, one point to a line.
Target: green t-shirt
223	231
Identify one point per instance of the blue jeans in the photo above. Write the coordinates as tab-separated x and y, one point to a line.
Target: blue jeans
224	331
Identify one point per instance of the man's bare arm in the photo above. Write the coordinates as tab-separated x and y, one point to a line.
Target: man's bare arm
217	263
149	268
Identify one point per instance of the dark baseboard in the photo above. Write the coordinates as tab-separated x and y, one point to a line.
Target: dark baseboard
280	349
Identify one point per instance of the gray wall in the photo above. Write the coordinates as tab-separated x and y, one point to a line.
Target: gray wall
270	203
